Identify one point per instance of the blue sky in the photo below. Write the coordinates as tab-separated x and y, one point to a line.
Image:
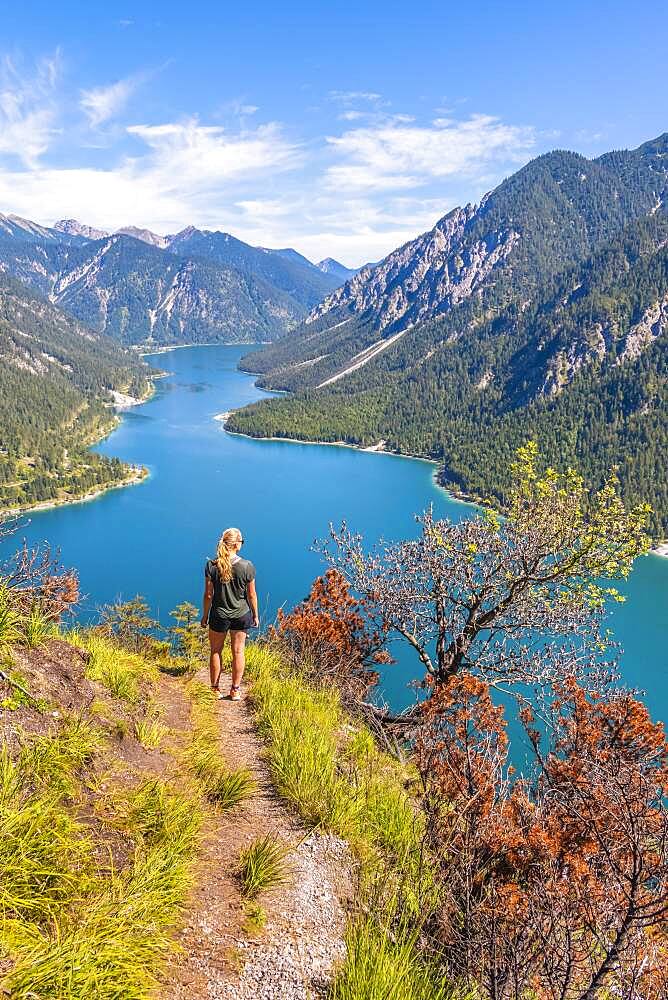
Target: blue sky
340	129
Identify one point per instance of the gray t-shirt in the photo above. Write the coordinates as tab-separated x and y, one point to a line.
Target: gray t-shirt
229	599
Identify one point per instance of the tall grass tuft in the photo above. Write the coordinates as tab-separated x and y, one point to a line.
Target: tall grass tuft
150	732
52	760
120	671
37	627
230	788
10	619
263	866
383	962
44	852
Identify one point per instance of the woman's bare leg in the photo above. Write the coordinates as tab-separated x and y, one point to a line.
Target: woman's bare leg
238	642
216	643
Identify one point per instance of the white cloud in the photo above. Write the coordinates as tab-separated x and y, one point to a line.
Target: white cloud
397	154
375	182
27	109
104	103
351	96
185	173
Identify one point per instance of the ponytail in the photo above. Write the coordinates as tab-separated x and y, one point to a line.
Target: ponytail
230	538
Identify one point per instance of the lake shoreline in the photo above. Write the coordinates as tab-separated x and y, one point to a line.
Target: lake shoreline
138	476
374	449
122	402
178	347
661	549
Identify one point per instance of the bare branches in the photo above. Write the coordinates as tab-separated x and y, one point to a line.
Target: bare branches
513	600
36	578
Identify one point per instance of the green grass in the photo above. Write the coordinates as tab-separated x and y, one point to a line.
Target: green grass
123	673
10	619
37	627
44	851
255	918
102	937
221	785
230	788
383	962
263	866
53	760
150	732
331	770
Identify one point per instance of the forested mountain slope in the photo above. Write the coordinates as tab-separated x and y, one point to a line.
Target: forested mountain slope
55	399
285	270
542	312
195	287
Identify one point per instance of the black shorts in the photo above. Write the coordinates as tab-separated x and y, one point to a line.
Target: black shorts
218	623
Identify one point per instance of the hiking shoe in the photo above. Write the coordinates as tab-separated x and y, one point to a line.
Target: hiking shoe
235	693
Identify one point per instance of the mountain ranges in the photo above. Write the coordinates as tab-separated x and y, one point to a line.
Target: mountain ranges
541	312
140	288
74	300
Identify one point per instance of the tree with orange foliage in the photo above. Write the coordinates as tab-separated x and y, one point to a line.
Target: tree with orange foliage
553	886
328	636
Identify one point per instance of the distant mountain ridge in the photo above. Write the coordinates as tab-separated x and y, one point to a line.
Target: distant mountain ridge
333	267
543	307
190	287
70	227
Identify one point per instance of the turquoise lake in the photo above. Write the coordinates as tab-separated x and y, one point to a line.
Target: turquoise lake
154	538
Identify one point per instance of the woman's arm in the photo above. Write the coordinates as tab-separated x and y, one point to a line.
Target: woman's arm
251	597
206	602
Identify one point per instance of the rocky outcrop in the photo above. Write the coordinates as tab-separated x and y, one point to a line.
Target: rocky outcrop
653	323
422	278
70	227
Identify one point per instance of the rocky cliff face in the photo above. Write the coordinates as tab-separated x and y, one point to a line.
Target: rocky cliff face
70	227
424	277
422	280
479	265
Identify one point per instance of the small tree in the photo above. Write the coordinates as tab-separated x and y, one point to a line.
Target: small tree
328	636
131	623
187	639
516	599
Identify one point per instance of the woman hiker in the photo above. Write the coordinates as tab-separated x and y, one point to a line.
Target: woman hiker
230	605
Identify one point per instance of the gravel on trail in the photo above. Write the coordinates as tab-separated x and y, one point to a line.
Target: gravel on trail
294	957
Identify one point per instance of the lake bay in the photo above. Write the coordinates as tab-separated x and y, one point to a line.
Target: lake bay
154	538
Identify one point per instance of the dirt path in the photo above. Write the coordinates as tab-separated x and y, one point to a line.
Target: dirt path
292	956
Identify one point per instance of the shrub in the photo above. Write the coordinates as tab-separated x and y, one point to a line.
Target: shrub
263	866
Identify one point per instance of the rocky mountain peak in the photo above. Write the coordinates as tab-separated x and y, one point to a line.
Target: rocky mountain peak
331	266
71	227
145	235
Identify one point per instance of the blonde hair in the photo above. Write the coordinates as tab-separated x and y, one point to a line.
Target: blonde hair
229	539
